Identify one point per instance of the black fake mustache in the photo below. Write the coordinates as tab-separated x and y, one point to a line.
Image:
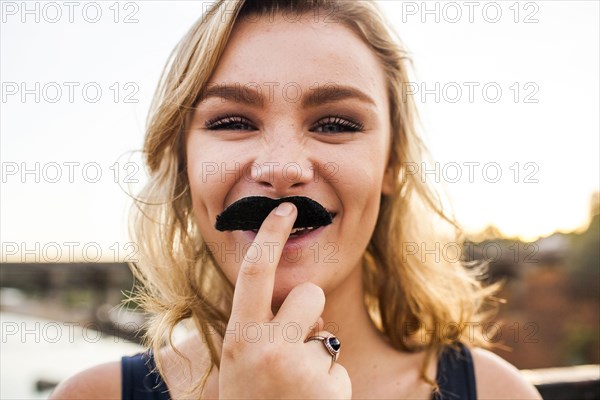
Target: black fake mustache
250	212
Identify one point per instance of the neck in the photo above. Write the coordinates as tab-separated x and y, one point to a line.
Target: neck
375	368
346	316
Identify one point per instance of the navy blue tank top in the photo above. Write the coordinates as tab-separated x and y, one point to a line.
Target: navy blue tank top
455	377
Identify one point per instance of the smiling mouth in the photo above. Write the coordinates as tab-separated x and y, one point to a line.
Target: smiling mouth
298	231
248	214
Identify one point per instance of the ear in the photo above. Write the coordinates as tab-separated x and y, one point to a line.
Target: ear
388	183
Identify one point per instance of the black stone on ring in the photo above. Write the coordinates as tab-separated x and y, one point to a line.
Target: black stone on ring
331	343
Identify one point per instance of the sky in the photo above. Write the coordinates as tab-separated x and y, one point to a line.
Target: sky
508	94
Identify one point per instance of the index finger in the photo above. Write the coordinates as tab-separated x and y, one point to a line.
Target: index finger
254	286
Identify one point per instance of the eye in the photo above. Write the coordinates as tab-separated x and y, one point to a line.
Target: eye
230	122
337	124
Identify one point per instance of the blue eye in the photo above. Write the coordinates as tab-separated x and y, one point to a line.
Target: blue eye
337	124
230	122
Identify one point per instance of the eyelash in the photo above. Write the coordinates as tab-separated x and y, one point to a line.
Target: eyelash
346	123
227	121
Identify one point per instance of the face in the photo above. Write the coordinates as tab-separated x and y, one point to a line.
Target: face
293	109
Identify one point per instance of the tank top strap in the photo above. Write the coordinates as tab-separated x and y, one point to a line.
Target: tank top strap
456	375
140	380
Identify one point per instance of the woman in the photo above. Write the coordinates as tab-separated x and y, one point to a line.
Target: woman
296	98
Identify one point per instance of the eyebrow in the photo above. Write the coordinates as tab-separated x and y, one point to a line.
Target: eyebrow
250	95
234	92
330	93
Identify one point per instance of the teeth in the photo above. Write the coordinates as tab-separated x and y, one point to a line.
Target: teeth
293	230
301	229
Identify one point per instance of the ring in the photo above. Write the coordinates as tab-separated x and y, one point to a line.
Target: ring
331	343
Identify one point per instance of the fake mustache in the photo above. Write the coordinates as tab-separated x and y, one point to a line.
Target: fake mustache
250	212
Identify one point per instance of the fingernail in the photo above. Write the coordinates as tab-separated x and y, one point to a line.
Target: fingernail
284	209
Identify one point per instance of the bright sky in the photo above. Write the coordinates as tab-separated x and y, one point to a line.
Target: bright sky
519	99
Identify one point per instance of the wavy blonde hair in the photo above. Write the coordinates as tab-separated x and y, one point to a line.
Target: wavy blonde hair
411	300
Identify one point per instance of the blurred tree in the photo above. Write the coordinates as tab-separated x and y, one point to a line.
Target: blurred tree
584	256
582	343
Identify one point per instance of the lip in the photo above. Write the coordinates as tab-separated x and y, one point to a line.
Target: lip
293	244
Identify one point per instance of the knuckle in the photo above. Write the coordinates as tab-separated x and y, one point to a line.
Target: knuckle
272	356
232	350
252	270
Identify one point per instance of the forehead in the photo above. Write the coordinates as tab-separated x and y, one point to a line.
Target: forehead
279	50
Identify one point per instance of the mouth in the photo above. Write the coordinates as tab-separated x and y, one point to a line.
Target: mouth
248	214
299	238
300	232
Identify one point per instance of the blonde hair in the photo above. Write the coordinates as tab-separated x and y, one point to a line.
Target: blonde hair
180	278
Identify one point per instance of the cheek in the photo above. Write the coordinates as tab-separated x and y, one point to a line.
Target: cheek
199	186
361	201
205	200
208	191
205	192
205	174
357	175
359	184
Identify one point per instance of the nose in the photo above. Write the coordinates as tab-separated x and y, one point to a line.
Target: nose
283	166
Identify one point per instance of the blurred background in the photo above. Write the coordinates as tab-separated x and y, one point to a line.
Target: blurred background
508	94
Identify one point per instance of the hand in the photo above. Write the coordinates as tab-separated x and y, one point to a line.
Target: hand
269	364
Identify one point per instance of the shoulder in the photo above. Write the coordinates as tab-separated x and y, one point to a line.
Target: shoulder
99	382
496	378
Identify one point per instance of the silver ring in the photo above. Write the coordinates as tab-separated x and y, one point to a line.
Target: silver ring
331	343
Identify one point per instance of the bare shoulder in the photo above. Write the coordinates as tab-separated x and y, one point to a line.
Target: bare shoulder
99	382
497	378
